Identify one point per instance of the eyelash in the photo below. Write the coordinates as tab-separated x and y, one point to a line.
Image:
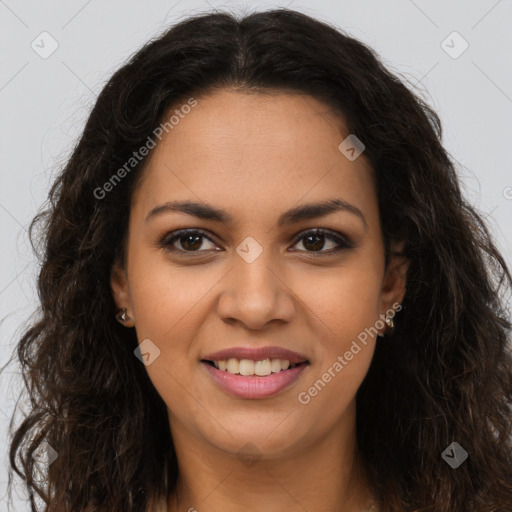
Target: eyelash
341	241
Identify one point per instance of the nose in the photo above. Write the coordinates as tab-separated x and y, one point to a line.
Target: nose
256	293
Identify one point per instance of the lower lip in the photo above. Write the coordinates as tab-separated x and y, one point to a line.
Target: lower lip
253	386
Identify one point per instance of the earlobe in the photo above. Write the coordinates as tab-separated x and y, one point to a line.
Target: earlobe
123	318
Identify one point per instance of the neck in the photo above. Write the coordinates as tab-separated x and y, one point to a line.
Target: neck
325	475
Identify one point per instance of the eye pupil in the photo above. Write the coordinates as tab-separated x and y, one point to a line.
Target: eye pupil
316	246
187	238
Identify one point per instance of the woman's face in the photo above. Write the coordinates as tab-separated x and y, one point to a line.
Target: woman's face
257	282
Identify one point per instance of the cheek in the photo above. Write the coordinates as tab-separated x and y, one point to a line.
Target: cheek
169	305
167	300
335	379
343	307
341	302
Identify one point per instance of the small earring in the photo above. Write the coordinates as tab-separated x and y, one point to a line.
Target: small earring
123	318
389	322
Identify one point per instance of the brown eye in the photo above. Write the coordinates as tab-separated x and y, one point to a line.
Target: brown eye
315	240
191	242
187	240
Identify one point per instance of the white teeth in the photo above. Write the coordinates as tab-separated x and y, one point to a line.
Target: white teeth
263	368
248	367
275	365
233	366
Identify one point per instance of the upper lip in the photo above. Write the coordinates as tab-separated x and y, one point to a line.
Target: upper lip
257	354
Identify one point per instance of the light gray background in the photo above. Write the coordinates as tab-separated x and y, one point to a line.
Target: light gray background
44	104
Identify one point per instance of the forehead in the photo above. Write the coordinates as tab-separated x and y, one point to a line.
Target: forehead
256	152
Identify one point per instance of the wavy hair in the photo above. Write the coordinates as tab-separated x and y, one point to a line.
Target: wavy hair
443	375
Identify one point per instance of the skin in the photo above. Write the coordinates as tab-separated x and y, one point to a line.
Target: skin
255	156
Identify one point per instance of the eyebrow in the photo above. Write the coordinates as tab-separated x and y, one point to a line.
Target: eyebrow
297	214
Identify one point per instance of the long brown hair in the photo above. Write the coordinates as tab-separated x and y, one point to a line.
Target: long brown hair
444	375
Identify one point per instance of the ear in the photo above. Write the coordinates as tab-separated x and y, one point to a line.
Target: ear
395	278
119	286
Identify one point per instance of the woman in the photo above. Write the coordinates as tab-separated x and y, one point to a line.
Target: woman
262	289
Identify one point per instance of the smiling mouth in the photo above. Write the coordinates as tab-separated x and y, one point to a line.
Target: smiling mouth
249	367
